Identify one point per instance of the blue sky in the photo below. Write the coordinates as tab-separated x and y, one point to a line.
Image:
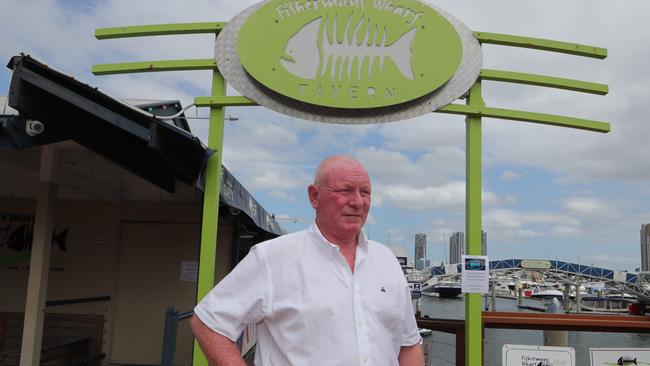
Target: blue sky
548	192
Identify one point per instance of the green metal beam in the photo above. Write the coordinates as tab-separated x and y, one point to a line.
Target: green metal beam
546	81
473	222
541	44
516	115
224	101
158	30
154	66
210	218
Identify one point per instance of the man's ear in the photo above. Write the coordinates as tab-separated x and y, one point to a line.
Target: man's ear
312	193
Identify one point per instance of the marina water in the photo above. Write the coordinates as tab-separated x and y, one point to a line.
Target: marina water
454	308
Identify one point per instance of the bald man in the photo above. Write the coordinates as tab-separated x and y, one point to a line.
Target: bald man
323	296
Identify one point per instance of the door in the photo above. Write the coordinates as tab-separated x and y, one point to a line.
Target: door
154	273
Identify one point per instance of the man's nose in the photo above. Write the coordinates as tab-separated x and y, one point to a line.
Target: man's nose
356	199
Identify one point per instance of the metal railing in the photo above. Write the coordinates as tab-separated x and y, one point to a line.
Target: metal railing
81	300
172	317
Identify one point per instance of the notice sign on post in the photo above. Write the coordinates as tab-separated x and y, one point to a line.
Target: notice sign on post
619	356
525	355
475	278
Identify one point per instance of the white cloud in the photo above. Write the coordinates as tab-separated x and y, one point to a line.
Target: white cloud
276	178
614	262
510	219
591	207
281	195
388	166
427	133
398	250
566	232
511	199
371	219
509	175
447	196
395	236
518	235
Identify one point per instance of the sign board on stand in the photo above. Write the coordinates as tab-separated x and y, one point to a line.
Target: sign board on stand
527	355
619	356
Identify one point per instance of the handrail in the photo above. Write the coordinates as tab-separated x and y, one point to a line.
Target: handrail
570	322
172	317
453	326
82	300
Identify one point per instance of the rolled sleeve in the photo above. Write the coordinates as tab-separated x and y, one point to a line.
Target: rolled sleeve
241	298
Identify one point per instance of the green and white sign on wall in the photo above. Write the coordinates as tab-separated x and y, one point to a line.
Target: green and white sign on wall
349	54
348	61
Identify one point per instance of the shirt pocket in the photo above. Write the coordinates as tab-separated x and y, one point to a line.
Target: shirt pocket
383	301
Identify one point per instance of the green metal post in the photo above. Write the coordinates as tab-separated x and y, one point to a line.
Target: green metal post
473	321
209	223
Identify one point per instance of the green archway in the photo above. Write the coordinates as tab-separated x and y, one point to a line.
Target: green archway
474	109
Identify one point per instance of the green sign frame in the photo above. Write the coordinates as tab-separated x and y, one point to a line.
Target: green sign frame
351	54
474	109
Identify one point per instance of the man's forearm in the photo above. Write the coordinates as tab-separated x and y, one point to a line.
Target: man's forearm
411	355
218	349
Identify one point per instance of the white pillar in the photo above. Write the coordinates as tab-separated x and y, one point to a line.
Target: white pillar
40	261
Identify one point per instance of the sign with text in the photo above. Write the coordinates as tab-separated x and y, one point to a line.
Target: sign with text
619	356
349	54
475	276
348	61
526	355
535	264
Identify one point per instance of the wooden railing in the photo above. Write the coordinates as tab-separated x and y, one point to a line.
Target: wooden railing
538	321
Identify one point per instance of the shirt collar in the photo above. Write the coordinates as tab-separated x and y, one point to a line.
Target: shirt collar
362	244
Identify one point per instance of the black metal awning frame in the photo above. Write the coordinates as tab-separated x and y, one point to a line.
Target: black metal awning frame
149	147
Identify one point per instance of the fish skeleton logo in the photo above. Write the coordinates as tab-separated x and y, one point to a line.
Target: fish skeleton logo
349	54
303	57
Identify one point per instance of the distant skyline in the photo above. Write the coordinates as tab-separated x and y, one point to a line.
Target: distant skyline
548	192
645	247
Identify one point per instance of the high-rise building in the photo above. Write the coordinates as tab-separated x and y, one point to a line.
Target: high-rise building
483	243
456	247
420	257
645	247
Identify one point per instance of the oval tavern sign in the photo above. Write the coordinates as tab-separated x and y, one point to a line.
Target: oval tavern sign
348	61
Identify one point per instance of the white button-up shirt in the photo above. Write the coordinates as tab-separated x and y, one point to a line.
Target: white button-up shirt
310	308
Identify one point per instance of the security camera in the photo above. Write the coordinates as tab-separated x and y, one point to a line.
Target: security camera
33	127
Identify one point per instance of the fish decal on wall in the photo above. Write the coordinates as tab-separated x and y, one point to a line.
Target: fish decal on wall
20	239
313	48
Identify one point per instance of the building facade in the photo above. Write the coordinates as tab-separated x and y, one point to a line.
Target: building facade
483	243
457	246
645	247
420	257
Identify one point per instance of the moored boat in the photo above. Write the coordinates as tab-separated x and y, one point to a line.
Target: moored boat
447	288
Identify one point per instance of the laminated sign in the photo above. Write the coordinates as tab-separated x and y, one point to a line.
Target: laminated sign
354	55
